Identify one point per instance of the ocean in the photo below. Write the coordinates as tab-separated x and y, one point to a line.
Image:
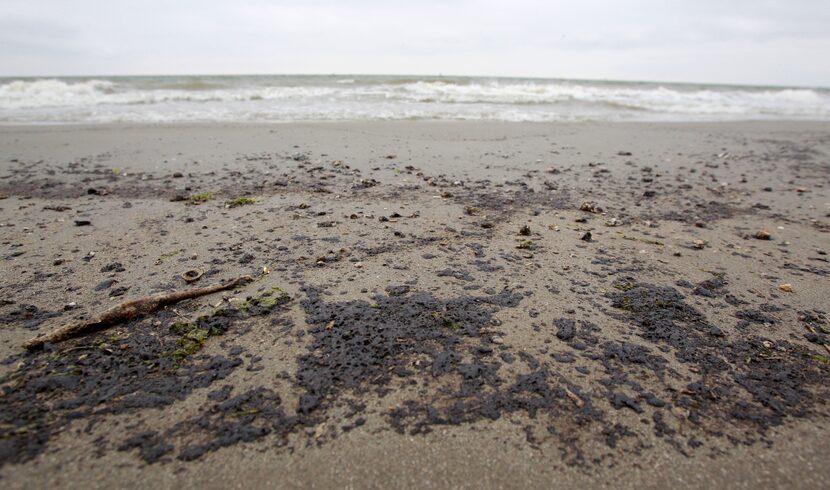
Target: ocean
271	98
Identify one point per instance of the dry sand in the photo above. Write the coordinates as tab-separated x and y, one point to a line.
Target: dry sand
420	337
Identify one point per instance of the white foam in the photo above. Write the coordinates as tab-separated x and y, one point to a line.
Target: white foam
320	98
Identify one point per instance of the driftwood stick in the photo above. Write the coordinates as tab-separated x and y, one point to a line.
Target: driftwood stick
129	310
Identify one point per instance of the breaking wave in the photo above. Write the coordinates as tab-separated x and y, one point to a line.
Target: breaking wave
291	98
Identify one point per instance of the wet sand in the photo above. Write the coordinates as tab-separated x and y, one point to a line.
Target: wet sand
445	304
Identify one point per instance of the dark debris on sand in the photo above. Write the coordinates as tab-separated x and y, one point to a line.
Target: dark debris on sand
442	357
90	378
748	378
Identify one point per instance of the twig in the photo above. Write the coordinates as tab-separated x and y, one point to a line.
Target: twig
129	310
579	402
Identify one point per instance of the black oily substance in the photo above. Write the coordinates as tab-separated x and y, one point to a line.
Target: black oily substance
360	345
246	417
704	211
746	379
226	421
444	349
103	374
29	316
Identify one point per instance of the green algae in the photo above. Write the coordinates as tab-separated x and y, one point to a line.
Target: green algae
167	255
193	335
446	322
200	198
265	303
526	245
239	201
192	338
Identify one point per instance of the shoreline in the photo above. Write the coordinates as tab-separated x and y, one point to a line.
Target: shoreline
14	126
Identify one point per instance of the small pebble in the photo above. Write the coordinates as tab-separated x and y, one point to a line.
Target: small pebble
763	234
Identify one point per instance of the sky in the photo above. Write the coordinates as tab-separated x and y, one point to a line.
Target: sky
760	42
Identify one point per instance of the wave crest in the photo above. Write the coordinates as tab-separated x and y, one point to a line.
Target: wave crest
331	98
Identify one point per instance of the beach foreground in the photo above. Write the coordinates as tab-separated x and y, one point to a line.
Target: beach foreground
435	304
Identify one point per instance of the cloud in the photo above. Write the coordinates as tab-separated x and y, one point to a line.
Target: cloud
715	41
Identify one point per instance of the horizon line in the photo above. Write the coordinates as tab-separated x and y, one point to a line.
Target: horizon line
439	75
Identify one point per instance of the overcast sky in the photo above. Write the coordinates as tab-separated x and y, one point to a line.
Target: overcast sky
726	41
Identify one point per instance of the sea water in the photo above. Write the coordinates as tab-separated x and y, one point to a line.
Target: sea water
270	98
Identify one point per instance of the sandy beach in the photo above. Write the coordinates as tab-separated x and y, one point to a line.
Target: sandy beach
435	304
